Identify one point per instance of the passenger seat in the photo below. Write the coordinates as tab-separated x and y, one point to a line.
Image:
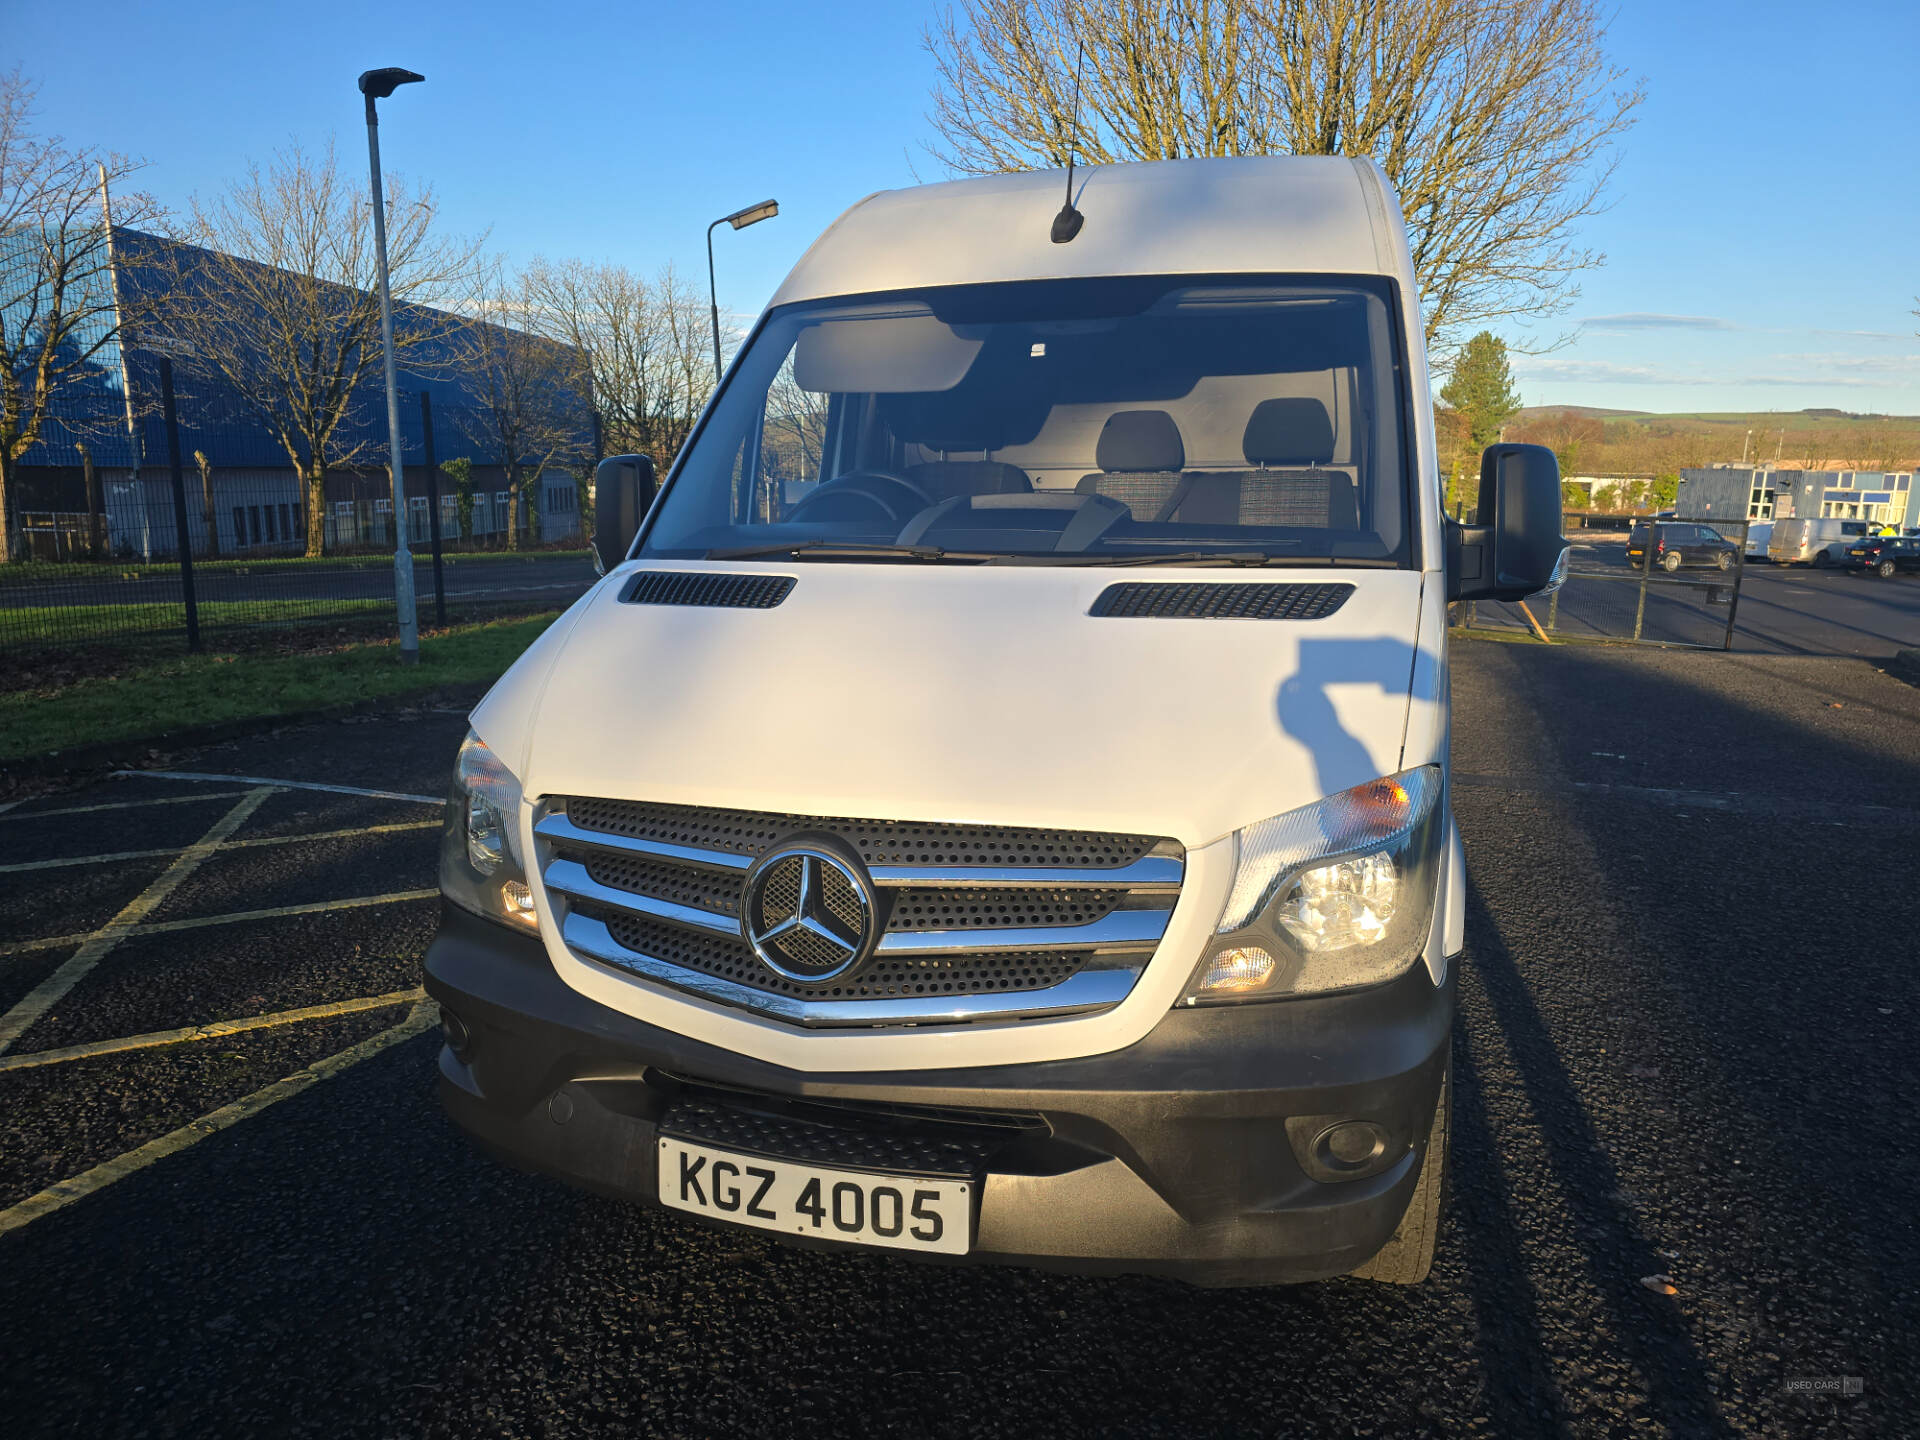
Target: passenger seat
1290	441
1140	458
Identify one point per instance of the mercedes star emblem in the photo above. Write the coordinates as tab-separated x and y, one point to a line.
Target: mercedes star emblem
808	913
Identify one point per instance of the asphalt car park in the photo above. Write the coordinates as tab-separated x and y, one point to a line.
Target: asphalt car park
1684	1152
1781	609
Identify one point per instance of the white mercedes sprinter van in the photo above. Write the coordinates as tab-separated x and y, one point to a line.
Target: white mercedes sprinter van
994	807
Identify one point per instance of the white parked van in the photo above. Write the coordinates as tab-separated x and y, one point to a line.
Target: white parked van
995	804
1814	542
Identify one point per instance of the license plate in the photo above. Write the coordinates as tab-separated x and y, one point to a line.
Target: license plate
901	1212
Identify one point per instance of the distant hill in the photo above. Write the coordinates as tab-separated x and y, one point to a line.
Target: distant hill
1637	442
1534	412
1771	421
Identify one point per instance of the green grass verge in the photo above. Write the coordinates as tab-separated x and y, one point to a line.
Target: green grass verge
196	690
40	572
61	624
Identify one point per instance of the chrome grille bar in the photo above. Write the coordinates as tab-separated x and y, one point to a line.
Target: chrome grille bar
1088	990
571	877
559	829
1154	874
1121	928
1127	928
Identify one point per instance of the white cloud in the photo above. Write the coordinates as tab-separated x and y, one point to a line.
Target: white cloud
1602	372
1653	320
1810	370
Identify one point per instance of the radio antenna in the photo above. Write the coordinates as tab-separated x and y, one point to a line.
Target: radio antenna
1067	223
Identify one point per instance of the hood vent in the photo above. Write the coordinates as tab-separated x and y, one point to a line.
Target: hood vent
704	588
1232	601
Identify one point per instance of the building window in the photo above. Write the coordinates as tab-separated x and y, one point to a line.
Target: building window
286	521
239	526
253	524
343	507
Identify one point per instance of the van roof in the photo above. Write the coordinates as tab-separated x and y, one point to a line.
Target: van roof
1302	214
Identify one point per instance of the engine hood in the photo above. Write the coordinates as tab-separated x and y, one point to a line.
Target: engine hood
974	694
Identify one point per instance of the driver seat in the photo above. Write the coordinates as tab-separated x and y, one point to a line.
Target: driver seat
1141	458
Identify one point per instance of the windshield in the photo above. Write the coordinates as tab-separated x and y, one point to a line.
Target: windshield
1074	421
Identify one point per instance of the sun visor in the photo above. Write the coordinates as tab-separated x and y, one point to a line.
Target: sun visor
884	354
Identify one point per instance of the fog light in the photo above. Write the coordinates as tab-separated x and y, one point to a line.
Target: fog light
459	1038
1350	1145
1244	967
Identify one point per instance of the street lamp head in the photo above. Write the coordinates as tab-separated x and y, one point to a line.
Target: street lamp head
379	84
754	214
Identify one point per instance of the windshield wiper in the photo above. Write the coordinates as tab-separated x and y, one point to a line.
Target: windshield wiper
1247	559
1250	558
840	550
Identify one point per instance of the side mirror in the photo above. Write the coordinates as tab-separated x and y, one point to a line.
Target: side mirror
1516	549
622	491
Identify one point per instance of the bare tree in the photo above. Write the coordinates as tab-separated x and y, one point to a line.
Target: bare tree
58	320
1494	120
271	288
796	425
644	343
533	390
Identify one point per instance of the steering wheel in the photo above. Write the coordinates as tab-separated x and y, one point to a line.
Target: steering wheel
893	498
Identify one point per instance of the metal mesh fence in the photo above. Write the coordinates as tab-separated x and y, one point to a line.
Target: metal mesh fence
1671	583
95	530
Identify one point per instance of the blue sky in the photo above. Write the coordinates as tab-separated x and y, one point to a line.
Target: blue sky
1763	245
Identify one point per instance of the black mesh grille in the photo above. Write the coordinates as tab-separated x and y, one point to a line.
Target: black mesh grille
682	884
892	1149
884	977
684	587
880	842
998	909
1209	601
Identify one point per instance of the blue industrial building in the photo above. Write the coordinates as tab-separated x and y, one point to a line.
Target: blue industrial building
247	498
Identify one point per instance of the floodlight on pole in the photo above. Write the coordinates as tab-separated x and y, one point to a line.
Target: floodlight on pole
739	220
378	85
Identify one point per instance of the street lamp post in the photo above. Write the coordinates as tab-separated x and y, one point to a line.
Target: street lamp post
739	220
378	85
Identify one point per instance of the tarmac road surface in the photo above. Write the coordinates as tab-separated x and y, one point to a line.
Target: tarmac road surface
1684	1050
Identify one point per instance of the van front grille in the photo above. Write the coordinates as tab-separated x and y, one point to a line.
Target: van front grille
970	921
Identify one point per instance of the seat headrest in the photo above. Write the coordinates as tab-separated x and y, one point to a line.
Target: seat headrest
1140	440
1291	431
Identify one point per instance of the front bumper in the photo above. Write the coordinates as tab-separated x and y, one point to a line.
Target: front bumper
1189	1154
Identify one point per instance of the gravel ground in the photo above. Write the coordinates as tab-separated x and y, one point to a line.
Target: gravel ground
1683	1050
226	972
63	1119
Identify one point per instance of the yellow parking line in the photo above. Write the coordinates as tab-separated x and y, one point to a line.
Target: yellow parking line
198	922
96	946
55	1197
124	805
229	845
196	775
210	1031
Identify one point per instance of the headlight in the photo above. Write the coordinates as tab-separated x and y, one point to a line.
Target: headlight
1331	896
481	868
